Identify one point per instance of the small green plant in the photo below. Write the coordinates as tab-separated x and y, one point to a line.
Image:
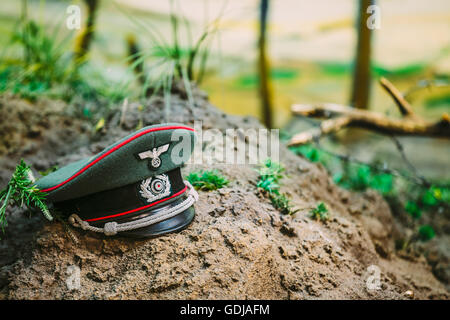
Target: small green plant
413	209
426	233
361	177
38	61
207	180
320	212
421	199
48	171
43	64
21	191
171	60
282	203
270	174
435	196
353	176
309	152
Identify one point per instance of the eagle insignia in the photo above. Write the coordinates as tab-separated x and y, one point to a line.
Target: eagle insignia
154	155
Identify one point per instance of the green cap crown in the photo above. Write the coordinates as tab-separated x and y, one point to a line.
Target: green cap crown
126	161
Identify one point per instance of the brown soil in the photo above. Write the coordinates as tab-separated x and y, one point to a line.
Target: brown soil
238	247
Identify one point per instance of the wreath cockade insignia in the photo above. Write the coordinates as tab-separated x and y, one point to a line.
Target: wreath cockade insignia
155	188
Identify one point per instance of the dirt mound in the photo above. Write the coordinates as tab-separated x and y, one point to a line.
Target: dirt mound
39	132
238	247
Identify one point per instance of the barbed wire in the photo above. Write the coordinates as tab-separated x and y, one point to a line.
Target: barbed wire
384	169
401	150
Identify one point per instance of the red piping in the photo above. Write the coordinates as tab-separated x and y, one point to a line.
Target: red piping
140	208
112	150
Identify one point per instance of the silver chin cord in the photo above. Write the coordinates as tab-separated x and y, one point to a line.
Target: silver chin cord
112	228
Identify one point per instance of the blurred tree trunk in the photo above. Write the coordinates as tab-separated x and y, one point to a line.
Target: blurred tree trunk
135	58
24	13
23	21
362	74
87	34
264	67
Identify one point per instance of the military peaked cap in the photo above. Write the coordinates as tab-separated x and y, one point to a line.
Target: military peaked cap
134	187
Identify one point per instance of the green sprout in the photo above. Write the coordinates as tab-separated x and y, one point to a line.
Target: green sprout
309	152
21	191
48	170
271	171
43	64
171	60
426	233
320	212
282	203
435	196
413	209
270	174
361	177
207	180
46	64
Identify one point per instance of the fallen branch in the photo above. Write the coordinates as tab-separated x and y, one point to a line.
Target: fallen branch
403	105
326	127
344	116
351	117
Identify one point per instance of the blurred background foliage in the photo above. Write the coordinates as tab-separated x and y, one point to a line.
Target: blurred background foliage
311	46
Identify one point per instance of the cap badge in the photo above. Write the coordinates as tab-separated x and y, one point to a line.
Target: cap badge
154	155
155	188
